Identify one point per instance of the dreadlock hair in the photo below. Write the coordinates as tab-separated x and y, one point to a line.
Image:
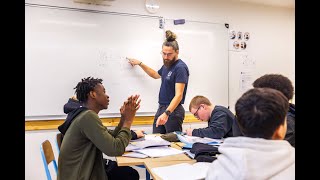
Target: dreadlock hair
171	40
84	87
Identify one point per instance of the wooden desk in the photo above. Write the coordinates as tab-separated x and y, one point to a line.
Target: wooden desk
129	161
150	164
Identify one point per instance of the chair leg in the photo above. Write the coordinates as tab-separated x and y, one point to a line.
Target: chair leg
45	164
147	173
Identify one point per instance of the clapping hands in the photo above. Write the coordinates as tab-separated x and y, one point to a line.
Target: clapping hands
129	108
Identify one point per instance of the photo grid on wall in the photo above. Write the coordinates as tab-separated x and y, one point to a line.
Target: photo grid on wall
239	40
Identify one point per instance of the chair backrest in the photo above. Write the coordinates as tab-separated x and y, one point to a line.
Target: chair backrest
59	141
48	157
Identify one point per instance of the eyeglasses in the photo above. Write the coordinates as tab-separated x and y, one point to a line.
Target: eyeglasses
165	54
196	113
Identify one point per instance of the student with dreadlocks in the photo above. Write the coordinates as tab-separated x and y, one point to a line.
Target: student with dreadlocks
174	76
86	138
73	107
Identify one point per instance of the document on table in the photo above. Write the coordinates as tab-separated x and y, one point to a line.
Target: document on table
159	151
183	171
194	139
135	155
190	140
150	141
139	139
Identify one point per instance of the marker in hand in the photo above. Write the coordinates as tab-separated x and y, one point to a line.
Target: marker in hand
130	61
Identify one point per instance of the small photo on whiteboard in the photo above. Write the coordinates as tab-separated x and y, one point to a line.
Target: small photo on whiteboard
236	45
243	45
232	34
239	35
246	36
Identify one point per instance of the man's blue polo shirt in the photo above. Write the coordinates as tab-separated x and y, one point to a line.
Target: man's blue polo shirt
177	73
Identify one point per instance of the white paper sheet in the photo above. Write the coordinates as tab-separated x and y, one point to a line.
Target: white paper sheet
183	171
150	141
159	151
135	155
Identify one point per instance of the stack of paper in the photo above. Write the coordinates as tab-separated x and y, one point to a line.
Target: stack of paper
153	152
159	151
148	142
183	171
135	155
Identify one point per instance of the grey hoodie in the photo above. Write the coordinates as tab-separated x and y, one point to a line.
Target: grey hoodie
253	159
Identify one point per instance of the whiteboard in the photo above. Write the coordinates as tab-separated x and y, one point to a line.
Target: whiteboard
204	48
65	45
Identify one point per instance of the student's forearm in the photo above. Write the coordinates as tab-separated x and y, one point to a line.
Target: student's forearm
121	122
210	132
127	125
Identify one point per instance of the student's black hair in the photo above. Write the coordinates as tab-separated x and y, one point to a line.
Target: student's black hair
260	111
275	81
84	87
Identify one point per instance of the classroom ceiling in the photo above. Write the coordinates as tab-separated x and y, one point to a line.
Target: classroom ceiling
279	3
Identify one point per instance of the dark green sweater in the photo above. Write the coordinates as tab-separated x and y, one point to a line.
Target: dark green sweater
83	144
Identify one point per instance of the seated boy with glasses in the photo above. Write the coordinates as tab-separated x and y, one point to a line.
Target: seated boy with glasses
221	121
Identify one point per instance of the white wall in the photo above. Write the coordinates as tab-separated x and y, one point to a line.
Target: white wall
272	32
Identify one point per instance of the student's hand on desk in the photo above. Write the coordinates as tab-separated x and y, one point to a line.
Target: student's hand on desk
140	133
133	62
162	119
189	132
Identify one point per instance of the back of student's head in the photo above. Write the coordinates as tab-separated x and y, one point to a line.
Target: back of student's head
84	87
275	81
260	111
197	100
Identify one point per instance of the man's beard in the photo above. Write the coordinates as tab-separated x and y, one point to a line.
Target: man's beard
168	63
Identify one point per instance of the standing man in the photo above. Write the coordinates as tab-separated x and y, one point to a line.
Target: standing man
174	76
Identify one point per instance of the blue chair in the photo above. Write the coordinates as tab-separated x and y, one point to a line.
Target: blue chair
48	157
